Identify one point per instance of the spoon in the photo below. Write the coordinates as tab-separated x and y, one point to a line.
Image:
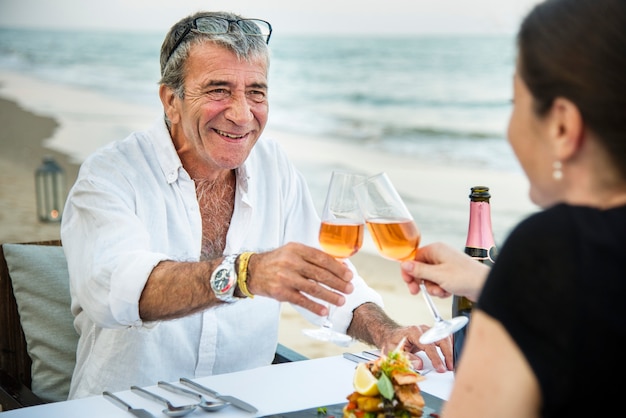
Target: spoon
203	403
172	411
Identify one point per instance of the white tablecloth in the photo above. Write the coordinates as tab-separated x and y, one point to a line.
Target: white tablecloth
272	389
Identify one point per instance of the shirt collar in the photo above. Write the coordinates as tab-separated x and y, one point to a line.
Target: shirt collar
170	161
165	151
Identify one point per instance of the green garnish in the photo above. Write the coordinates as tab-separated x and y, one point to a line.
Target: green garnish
385	387
322	410
395	362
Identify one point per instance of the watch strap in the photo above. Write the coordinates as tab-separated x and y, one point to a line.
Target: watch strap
242	274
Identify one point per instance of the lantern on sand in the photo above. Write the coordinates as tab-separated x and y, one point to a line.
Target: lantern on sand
50	190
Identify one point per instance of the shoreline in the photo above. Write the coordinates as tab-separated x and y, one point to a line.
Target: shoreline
43	119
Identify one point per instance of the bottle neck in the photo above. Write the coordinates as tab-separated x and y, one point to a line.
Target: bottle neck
480	234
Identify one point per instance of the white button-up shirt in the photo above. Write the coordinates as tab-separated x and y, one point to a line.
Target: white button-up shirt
134	205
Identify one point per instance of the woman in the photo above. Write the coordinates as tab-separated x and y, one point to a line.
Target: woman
547	334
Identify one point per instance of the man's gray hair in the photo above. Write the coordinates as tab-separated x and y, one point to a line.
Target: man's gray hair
245	46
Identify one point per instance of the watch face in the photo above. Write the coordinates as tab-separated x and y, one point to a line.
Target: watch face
222	281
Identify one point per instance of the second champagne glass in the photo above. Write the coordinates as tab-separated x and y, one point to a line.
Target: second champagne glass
340	235
397	238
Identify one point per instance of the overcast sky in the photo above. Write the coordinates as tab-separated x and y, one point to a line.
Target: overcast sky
286	16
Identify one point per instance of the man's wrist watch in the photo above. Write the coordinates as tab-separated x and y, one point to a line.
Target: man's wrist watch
224	279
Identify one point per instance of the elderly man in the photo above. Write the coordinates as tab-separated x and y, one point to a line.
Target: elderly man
183	240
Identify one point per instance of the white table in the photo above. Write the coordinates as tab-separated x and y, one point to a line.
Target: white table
272	389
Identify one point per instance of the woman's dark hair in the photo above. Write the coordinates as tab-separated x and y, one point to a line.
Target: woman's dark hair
576	49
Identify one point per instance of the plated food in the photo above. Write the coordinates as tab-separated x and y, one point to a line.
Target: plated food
387	386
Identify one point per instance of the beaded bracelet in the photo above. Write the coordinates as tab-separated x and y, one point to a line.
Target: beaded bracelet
242	274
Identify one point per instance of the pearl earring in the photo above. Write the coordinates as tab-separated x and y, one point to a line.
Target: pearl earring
557	174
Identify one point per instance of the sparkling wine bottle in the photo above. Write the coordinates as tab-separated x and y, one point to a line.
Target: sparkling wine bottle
480	245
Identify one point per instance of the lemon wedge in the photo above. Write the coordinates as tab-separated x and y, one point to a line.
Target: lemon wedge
364	381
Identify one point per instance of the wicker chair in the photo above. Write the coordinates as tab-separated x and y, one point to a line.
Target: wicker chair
15	363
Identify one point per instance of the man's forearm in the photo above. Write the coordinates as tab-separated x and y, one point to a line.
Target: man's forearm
370	324
177	289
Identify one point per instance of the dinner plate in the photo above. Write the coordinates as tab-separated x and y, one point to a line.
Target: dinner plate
431	410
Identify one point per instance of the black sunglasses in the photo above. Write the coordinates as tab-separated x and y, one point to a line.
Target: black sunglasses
220	25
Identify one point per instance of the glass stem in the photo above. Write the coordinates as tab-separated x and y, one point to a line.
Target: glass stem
327	323
429	302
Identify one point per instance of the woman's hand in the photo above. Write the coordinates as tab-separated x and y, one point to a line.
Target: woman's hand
445	271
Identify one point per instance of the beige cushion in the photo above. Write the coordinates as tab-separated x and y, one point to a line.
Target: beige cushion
41	285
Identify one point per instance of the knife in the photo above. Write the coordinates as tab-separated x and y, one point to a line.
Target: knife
371	354
227	398
140	413
355	358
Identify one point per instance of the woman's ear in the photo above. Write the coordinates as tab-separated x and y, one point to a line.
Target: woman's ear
566	128
168	99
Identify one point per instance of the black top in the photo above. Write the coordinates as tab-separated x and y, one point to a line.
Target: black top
558	288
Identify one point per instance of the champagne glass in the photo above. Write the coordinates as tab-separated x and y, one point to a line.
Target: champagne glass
397	238
340	235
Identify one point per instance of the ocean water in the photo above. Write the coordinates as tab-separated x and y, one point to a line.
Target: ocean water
441	98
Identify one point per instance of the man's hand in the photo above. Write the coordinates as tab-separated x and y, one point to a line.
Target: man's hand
292	270
371	325
412	346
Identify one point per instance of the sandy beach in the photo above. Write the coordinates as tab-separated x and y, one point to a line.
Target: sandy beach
40	119
21	152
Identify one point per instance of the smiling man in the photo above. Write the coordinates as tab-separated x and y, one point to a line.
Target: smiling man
183	240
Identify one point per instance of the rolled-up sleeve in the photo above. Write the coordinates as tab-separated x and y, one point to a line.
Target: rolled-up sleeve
115	231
